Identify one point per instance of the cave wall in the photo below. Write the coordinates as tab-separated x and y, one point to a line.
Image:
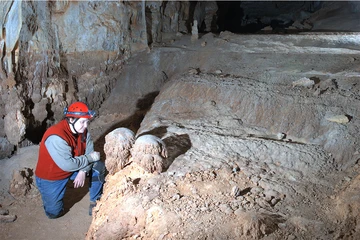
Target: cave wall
55	52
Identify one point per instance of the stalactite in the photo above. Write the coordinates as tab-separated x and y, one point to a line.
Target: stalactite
4	8
12	31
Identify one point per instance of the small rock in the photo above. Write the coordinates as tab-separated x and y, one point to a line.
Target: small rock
162	236
239	211
250	199
274	201
157	201
235	191
7	218
255	179
281	136
262	203
317	92
291	237
256	190
204	209
267	28
171	184
171	173
270	194
240	198
226	208
193	190
347	179
4	212
338	119
176	197
194	71
303	82
282	225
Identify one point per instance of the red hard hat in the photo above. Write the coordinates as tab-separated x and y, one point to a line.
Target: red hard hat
78	110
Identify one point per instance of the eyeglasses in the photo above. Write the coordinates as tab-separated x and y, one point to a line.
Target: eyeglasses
84	121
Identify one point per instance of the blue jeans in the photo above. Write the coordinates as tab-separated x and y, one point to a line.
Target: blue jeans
53	191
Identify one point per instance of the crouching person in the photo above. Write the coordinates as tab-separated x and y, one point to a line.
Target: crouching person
67	153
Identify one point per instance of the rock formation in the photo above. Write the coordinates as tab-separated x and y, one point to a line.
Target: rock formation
150	153
257	130
21	183
50	64
250	154
12	31
118	144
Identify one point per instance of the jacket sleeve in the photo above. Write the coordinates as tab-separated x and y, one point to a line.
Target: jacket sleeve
89	149
60	152
89	144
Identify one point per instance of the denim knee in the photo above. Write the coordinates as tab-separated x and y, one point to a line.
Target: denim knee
52	194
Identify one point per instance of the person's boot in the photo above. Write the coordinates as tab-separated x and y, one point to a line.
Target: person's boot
52	216
92	205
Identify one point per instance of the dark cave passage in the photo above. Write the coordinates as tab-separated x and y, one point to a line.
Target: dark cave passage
252	17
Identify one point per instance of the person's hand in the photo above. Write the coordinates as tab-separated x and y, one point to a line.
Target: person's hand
79	181
93	157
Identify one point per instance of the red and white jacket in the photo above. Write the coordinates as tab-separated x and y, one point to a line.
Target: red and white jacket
63	152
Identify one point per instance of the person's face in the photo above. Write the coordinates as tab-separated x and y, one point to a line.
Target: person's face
81	124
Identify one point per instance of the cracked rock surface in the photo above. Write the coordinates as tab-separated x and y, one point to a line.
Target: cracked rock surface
250	154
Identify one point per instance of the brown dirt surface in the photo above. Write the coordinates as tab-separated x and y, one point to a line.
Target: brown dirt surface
31	221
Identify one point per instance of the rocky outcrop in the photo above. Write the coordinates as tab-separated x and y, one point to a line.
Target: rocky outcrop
117	147
61	51
248	110
252	124
150	153
121	148
22	183
250	149
58	60
53	53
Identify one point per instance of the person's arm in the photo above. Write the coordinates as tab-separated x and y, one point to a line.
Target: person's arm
60	152
89	149
89	144
80	177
